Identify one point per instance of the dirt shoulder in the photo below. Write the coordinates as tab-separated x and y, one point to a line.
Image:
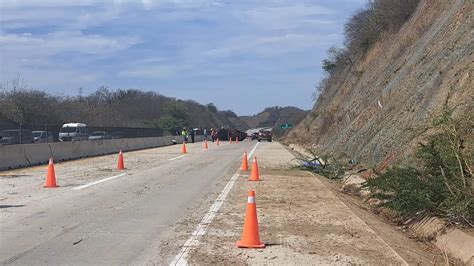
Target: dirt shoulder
400	238
301	220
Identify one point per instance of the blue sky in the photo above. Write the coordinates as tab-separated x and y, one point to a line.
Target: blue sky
241	55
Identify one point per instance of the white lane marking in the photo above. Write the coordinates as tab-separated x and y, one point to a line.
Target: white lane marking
252	151
201	228
181	156
98	182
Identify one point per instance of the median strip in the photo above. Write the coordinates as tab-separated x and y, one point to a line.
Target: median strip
175	158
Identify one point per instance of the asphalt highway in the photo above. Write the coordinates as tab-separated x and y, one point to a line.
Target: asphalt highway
116	217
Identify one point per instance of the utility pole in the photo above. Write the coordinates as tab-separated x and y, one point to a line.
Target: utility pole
275	116
21	133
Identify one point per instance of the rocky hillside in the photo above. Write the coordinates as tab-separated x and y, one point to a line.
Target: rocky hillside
381	104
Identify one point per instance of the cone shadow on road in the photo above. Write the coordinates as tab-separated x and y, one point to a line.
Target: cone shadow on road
273	244
11	206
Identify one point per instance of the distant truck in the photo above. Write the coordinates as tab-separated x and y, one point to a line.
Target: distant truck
73	132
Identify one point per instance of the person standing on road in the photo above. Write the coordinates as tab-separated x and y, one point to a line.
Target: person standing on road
192	135
184	134
213	134
205	133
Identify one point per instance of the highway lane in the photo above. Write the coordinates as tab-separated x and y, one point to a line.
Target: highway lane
121	220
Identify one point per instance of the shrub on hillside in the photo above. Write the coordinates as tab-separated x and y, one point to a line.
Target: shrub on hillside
361	31
336	59
443	183
393	14
380	16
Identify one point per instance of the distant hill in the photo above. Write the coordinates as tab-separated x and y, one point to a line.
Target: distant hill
111	108
129	108
275	116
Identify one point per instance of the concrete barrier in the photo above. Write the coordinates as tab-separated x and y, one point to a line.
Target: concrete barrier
37	153
135	144
15	156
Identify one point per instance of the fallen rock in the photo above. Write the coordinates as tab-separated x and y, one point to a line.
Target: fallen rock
352	184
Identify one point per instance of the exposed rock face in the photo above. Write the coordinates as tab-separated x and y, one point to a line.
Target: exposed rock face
403	81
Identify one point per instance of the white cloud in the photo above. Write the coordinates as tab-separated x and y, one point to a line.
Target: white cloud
155	71
60	42
16	4
184	43
289	16
271	46
32	56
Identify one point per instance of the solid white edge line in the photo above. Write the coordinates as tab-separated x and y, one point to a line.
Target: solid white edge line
201	228
252	151
98	182
181	156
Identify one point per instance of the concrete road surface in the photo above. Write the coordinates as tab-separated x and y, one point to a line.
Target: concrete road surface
146	214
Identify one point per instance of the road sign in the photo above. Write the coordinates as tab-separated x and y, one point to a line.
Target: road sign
286	126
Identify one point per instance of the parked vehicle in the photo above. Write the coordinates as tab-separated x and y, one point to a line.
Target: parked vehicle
265	134
42	136
254	136
12	136
117	135
224	134
99	135
73	132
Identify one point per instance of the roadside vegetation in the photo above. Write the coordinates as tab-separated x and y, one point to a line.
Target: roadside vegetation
379	18
441	184
326	165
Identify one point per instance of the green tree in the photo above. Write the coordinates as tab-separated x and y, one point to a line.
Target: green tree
174	118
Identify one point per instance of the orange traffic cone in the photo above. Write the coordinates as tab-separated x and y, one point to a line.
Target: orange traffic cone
245	165
254	176
120	165
218	142
250	238
205	144
230	140
236	139
183	148
51	177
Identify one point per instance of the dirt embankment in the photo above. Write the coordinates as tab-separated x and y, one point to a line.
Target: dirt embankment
384	101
